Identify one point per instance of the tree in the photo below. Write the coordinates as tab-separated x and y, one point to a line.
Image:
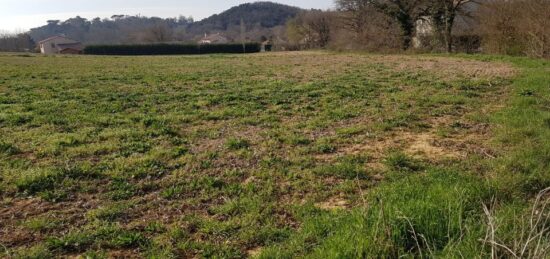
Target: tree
444	13
16	42
159	32
312	29
405	12
354	14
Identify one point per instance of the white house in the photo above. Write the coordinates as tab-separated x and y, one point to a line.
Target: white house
214	39
60	45
424	28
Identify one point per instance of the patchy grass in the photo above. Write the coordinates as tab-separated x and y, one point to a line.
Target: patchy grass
236	144
267	155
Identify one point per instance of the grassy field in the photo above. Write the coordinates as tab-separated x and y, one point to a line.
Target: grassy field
280	155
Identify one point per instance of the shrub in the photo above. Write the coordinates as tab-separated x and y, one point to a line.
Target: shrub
517	27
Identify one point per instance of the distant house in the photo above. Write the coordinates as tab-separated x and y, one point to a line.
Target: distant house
266	46
465	37
214	39
60	45
424	29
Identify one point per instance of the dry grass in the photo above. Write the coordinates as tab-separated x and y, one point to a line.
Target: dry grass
532	239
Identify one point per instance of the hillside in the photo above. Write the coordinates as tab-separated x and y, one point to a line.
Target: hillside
262	19
264	14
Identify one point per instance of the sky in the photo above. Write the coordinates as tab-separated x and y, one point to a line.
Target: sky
21	15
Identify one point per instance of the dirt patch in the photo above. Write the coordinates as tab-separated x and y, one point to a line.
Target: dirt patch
295	64
16	211
424	145
334	203
254	252
122	254
449	68
427	145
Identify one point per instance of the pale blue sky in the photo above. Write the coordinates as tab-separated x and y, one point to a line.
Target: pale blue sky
21	15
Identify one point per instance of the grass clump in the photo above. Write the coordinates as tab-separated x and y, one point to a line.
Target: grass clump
325	147
172	192
41	224
111	212
36	182
37	251
348	167
95	236
399	161
72	242
46	181
237	143
8	149
121	189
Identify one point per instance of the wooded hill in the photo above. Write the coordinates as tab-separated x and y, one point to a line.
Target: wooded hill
261	19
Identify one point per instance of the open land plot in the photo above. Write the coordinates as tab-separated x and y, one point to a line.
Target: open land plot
270	155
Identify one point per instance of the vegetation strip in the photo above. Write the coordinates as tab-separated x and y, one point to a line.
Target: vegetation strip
171	49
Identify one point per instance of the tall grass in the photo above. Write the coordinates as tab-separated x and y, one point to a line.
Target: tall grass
418	215
438	212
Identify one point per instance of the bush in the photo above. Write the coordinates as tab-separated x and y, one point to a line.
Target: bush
170	49
517	27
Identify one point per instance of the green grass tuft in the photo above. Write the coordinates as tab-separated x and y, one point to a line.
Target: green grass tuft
236	144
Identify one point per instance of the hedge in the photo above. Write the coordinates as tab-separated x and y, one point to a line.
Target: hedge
170	49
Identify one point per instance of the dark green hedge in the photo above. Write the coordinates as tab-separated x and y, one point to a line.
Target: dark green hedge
170	49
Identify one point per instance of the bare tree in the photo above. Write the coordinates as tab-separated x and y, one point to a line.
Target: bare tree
16	42
404	12
160	32
444	13
535	28
312	29
516	27
354	14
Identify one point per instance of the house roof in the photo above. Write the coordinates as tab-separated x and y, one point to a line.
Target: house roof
53	38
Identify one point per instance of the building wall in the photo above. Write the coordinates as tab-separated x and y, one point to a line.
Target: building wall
49	47
424	29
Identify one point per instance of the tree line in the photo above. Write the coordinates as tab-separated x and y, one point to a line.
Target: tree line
117	29
16	42
516	27
512	27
